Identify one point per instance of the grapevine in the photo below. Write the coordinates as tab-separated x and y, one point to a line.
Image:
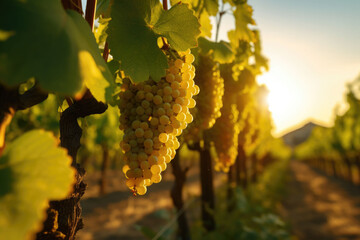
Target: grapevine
153	115
225	136
225	132
209	101
156	89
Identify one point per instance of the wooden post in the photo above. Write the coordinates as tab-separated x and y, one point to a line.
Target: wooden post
104	167
207	189
177	196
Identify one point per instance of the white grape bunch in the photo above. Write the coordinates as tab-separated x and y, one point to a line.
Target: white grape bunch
224	134
225	137
209	101
153	115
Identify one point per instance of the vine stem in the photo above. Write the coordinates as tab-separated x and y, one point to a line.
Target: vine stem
106	51
75	5
165	5
64	216
11	101
90	13
89	17
221	13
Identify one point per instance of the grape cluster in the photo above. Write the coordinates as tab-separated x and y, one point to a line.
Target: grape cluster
209	101
224	134
225	137
153	114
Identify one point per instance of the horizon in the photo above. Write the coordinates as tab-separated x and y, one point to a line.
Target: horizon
313	72
301	125
311	58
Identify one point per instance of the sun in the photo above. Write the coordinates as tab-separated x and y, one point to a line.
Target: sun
284	100
280	100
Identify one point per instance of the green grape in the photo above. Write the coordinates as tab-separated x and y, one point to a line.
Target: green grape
153	115
147	174
149	96
177	108
141	190
144	125
145	104
135	124
209	100
160	112
148	134
148	143
154	121
144	165
133	164
155	169
153	160
164	119
163	137
163	166
142	157
156	178
157	99
225	137
139	132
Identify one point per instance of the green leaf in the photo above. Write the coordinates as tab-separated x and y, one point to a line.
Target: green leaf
221	51
33	170
54	46
100	32
205	24
190	2
212	7
196	5
114	66
243	17
260	60
142	22
179	26
138	52
234	2
102	8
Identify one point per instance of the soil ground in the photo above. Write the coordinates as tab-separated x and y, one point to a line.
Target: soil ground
319	207
118	214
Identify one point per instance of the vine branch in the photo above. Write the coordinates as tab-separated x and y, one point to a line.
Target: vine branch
90	13
165	5
11	101
221	13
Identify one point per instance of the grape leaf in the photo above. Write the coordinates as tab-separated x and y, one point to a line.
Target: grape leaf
196	5
212	7
243	17
261	60
103	8
234	2
220	51
190	2
133	33
179	26
100	32
32	171
55	46
205	24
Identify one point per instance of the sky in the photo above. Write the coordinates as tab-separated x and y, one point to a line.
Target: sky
314	48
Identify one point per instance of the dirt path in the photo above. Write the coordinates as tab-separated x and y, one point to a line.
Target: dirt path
117	214
320	207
